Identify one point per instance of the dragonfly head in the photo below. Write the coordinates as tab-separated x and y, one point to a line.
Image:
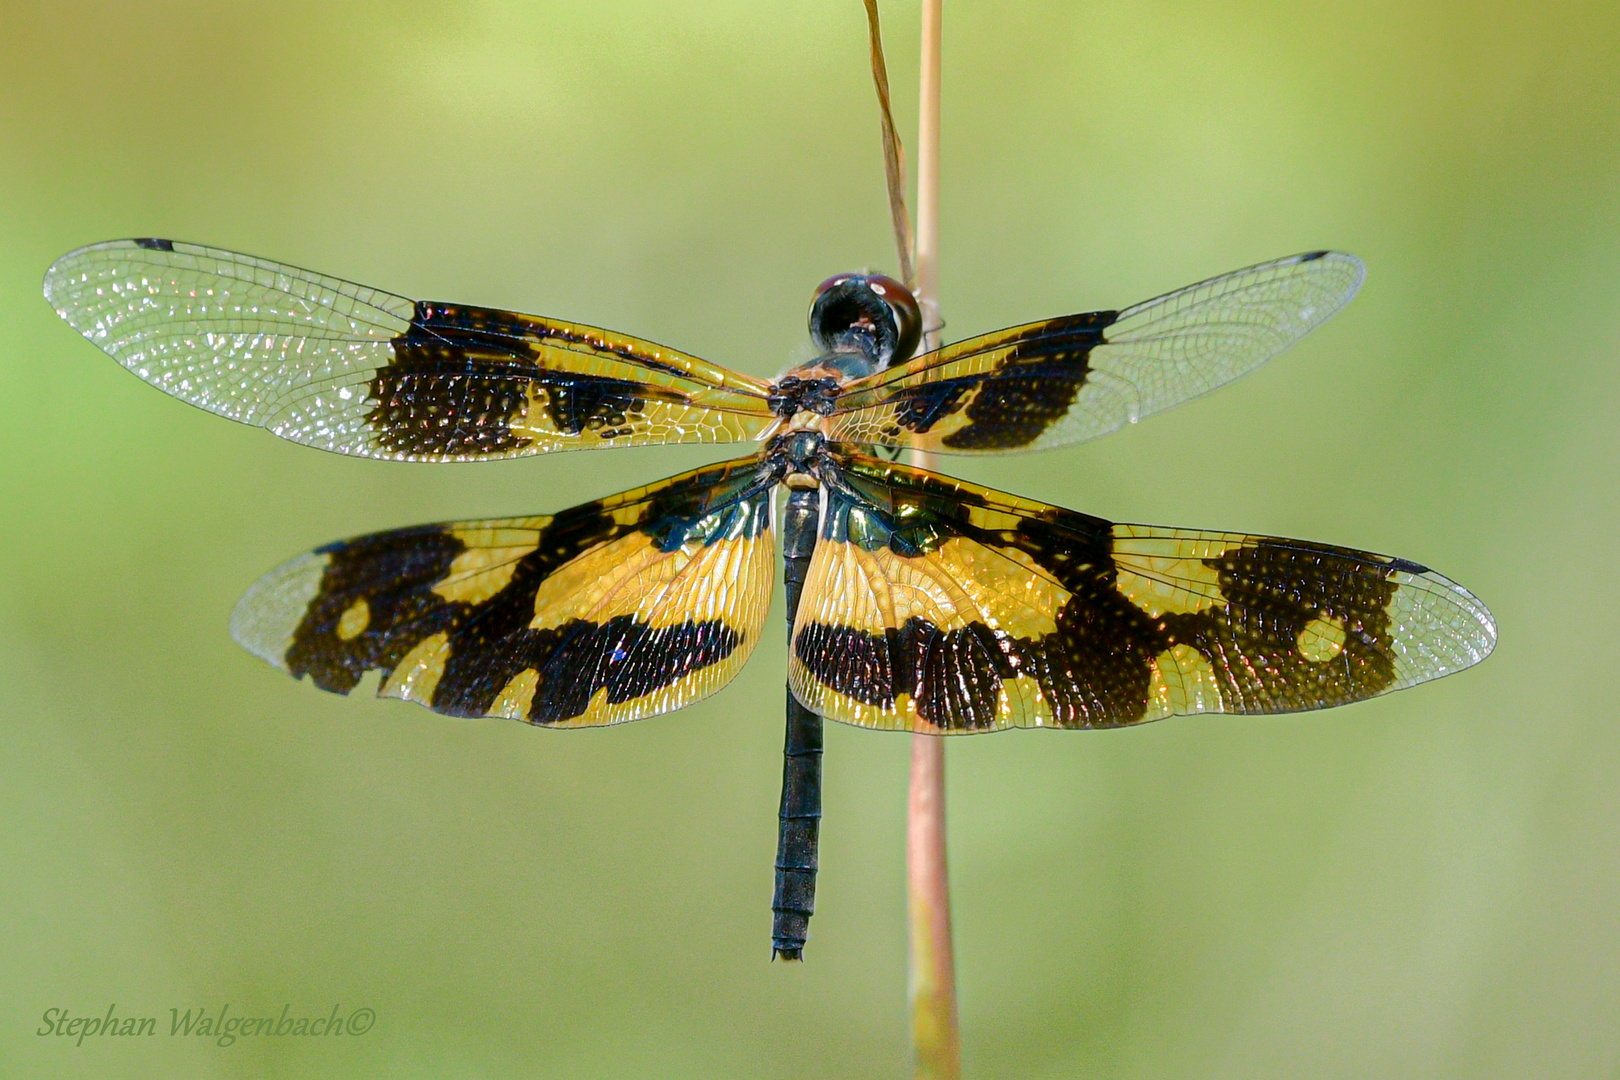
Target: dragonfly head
865	322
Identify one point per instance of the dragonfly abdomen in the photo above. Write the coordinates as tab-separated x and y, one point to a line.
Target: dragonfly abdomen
794	900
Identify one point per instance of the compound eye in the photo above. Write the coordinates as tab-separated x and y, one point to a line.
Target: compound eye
832	283
907	315
869	312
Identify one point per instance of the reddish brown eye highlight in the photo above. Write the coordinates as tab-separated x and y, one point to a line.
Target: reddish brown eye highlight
907	315
831	283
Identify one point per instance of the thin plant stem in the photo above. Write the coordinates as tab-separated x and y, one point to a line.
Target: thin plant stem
934	1032
894	154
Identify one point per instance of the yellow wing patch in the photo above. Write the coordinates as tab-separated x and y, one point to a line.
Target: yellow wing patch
1159	572
516	696
417	674
488	559
354	620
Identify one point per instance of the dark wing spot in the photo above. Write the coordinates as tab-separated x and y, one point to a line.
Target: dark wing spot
461	376
625	656
1012	411
850	661
1274	591
919	408
953	677
580	403
422	409
152	243
390	572
1035	385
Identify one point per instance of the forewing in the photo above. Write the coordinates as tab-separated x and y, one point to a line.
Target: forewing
343	367
1073	378
935	605
611	611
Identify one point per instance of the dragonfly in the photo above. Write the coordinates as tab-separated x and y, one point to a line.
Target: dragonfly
915	602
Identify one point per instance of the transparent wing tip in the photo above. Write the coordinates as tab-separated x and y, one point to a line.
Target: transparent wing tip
1439	626
1348	271
68	277
264	620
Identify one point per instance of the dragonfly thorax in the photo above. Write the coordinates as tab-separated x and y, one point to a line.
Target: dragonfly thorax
802	450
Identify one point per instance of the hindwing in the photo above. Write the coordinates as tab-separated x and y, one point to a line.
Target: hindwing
936	605
611	611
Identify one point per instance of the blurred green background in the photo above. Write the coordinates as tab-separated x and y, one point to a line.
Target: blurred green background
1424	885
